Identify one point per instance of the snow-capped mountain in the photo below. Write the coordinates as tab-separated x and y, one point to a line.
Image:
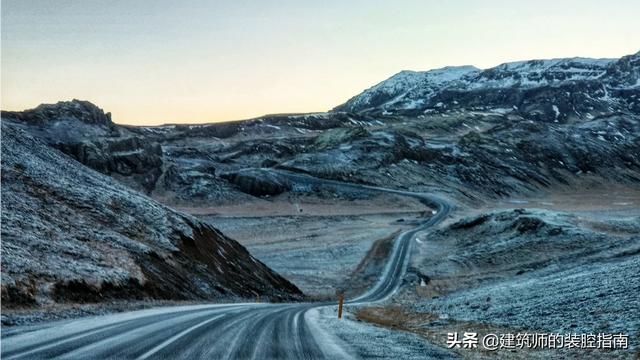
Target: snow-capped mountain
409	89
594	83
535	73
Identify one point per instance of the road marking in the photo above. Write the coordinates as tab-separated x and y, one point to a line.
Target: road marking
297	342
176	337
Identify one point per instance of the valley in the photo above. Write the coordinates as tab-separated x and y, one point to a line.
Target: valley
455	199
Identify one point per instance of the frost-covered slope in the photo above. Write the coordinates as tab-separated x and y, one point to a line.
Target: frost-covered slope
70	234
409	89
534	73
85	132
509	84
173	163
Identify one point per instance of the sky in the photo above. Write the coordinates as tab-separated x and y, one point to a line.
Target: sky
194	61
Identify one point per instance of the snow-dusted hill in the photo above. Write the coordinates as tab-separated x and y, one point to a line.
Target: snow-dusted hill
71	234
508	85
552	120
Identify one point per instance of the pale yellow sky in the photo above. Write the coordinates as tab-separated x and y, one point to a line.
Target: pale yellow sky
154	62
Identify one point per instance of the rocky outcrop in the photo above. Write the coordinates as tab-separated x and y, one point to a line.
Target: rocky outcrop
75	110
625	72
133	157
258	182
333	138
83	131
70	234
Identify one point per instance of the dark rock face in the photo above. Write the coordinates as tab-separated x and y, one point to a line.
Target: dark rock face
83	131
62	111
625	71
344	153
259	183
126	156
70	234
333	138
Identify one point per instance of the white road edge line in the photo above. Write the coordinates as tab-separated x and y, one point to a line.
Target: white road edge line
176	337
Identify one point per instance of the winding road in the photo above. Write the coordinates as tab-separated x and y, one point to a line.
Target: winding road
219	331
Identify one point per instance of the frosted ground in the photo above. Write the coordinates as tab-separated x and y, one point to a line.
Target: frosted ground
534	270
319	251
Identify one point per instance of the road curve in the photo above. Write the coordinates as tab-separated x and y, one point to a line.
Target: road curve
219	331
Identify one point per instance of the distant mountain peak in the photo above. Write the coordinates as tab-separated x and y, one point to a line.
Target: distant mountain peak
413	92
409	85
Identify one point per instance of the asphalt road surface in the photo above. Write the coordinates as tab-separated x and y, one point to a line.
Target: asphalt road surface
220	331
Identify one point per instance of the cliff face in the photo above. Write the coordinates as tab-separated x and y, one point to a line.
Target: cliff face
85	132
71	234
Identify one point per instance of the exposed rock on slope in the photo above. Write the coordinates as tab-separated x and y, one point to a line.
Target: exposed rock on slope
133	157
83	131
181	165
513	155
65	112
259	183
70	234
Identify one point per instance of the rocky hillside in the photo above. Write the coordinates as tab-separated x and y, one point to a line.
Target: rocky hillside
537	270
71	234
490	156
83	131
518	128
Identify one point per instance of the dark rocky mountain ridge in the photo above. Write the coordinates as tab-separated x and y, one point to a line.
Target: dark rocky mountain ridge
519	127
